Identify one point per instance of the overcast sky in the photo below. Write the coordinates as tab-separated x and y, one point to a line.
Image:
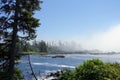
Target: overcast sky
94	24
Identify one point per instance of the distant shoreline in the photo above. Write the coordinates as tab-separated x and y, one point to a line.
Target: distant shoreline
46	53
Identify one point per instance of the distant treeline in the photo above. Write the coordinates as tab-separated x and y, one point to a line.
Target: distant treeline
43	46
35	46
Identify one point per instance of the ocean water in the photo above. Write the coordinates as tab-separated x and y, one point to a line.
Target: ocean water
44	65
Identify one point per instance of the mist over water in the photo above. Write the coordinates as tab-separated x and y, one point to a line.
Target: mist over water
65	46
104	41
107	41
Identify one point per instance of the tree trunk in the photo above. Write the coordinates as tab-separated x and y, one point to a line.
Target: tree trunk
13	44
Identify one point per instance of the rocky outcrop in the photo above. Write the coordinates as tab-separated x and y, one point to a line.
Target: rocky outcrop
58	56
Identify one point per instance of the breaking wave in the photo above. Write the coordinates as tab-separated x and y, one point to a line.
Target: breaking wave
54	65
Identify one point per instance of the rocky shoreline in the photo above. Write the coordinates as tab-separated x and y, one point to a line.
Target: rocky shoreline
54	75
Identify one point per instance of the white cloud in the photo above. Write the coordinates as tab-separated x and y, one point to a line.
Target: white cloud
105	41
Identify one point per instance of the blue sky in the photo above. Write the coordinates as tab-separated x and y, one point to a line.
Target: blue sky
84	21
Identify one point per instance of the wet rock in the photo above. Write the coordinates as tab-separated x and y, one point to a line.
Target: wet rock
58	56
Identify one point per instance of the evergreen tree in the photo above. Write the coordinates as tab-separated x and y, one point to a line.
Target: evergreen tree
15	16
42	46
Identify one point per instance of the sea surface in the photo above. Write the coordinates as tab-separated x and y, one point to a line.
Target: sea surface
43	65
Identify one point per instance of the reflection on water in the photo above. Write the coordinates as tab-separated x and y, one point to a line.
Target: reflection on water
43	65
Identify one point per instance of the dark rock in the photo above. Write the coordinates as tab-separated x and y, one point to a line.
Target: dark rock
58	56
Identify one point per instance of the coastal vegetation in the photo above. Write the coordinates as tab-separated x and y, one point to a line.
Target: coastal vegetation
18	26
17	23
93	69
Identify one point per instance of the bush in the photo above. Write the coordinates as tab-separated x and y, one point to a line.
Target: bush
93	69
66	74
17	75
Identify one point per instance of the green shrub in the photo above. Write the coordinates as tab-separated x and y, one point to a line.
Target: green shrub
66	74
113	71
6	76
18	74
93	69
